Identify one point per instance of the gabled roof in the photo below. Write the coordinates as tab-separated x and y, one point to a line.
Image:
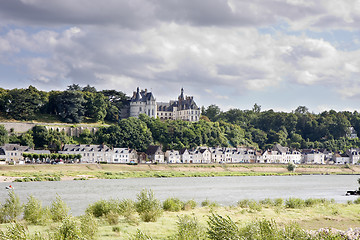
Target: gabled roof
142	96
152	149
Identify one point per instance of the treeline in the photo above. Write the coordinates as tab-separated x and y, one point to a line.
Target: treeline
298	129
74	105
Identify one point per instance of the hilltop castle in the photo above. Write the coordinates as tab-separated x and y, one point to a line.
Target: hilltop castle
184	108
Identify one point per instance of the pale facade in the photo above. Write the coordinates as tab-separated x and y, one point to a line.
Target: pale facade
184	109
172	156
143	102
89	153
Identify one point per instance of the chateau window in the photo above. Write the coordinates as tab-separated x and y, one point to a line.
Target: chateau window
152	112
140	109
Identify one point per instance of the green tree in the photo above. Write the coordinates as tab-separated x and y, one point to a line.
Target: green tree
212	112
70	107
148	207
4	135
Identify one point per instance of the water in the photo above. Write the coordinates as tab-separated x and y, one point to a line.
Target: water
224	190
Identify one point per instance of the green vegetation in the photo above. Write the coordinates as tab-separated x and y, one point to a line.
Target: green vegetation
204	223
260	129
148	207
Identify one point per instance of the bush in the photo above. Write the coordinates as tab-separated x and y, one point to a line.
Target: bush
58	209
127	209
191	204
112	218
11	209
139	235
103	207
88	226
294	203
189	228
15	231
148	207
68	230
222	228
278	202
291	167
173	205
357	201
33	211
205	203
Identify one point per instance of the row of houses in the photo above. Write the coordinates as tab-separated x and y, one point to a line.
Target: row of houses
13	153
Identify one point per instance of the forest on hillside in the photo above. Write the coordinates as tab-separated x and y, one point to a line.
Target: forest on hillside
298	129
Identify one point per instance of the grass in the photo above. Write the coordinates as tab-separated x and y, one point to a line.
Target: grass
320	215
43	172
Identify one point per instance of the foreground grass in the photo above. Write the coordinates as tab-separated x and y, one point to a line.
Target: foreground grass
45	172
321	214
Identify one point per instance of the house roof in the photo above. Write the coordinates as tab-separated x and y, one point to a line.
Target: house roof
152	149
142	96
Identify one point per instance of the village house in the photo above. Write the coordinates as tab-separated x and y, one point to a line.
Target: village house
341	158
311	156
244	155
155	154
124	155
354	155
172	156
186	156
89	153
202	155
217	155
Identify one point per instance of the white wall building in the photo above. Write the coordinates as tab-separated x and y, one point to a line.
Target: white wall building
89	153
172	156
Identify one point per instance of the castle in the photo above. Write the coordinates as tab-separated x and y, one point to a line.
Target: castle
143	102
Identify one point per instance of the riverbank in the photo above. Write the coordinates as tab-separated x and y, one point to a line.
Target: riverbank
65	172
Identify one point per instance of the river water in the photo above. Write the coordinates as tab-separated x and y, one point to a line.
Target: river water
224	190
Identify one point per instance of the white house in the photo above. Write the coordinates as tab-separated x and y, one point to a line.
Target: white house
121	155
202	155
186	156
341	158
89	153
217	155
354	155
311	156
172	156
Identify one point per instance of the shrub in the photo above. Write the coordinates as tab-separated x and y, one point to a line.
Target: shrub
278	202
127	209
189	228
291	167
191	204
58	209
222	228
205	203
11	209
103	207
148	207
208	203
243	203
357	201
294	203
33	211
15	231
68	230
173	205
267	202
88	226
139	235
112	218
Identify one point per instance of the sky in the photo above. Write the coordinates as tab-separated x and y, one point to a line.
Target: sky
280	54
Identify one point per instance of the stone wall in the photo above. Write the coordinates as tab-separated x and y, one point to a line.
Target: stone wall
69	129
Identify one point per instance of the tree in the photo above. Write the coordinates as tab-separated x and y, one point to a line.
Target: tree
40	136
148	207
212	112
70	106
74	87
4	137
24	104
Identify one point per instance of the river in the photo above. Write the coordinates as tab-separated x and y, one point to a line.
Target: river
224	190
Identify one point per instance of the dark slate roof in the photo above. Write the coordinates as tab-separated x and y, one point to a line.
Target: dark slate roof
152	149
142	96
